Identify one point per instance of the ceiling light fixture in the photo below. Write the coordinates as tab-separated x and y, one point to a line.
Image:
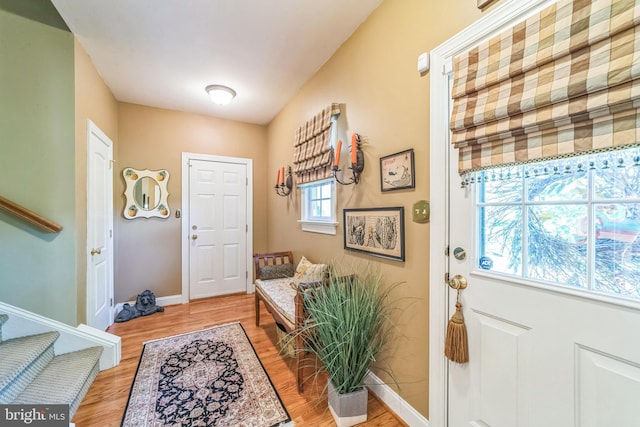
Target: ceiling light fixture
221	95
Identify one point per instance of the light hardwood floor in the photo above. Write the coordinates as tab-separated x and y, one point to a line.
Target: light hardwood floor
105	402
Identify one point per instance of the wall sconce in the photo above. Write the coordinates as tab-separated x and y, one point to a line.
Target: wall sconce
284	184
357	161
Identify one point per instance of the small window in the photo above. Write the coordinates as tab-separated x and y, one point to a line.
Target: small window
572	222
318	207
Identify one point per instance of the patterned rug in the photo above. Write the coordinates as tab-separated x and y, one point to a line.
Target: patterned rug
211	377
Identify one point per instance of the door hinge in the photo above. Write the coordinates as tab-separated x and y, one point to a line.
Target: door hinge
111	233
446	251
246	228
246	274
110	302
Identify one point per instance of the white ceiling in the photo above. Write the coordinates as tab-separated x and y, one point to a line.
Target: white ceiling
163	53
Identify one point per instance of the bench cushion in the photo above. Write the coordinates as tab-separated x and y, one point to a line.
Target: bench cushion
276	271
280	294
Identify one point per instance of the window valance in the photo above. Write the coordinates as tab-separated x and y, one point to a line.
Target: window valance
313	153
565	81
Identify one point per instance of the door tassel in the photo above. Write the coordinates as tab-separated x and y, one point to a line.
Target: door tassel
456	347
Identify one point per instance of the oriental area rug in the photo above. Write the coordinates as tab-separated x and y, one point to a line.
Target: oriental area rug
211	377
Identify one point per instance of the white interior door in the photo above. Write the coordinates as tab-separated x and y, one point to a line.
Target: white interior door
100	309
218	228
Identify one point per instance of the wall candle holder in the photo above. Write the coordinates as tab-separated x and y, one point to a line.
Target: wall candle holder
356	167
284	188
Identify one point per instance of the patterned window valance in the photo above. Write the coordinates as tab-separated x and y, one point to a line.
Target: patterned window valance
563	82
313	153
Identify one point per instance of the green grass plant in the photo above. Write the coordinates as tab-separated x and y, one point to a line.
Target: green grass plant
350	326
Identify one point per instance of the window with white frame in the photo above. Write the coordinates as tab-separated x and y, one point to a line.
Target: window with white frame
571	222
318	206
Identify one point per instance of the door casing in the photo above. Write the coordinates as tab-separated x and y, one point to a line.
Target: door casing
185	236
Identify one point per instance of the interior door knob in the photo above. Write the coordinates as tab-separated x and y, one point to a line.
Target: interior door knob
194	237
95	251
458	282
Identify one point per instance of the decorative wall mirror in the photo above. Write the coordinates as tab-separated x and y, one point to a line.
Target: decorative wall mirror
146	193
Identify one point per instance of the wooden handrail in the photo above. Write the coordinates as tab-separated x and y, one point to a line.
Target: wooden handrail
31	217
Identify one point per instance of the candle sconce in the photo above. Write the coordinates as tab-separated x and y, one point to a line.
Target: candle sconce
356	167
284	188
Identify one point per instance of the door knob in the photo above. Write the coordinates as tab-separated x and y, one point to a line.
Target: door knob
95	251
194	237
458	282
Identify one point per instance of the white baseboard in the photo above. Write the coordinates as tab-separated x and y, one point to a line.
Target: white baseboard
396	403
22	322
161	301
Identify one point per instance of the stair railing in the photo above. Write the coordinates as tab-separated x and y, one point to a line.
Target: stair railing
31	217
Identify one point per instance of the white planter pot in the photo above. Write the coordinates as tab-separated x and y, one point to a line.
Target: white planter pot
348	409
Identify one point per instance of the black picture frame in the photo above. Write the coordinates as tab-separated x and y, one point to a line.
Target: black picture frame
375	231
397	171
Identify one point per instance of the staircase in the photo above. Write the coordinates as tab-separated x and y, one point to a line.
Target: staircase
30	372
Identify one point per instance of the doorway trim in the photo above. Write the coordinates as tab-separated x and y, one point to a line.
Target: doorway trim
504	16
186	157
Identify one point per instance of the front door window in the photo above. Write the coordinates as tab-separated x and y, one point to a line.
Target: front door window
571	222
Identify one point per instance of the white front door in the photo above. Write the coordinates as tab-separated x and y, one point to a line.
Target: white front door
100	309
218	228
538	355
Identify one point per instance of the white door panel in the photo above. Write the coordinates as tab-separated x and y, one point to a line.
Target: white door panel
538	357
218	227
100	310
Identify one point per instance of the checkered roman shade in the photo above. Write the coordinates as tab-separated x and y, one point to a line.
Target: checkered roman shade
313	153
565	81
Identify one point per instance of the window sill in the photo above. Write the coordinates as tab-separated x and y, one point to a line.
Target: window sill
319	227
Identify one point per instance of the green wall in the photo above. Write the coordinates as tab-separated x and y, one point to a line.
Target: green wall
37	270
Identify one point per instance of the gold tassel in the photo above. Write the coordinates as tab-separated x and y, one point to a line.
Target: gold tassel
456	347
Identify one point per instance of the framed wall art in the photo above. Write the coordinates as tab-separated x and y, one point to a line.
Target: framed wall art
376	231
397	171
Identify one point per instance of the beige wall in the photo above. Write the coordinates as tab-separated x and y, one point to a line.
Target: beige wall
93	101
374	74
148	251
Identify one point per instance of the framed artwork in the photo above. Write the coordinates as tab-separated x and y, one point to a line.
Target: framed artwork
397	171
375	231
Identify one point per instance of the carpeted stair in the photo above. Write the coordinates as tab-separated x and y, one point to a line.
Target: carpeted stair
30	372
3	320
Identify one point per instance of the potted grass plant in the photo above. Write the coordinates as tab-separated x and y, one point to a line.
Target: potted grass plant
350	327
